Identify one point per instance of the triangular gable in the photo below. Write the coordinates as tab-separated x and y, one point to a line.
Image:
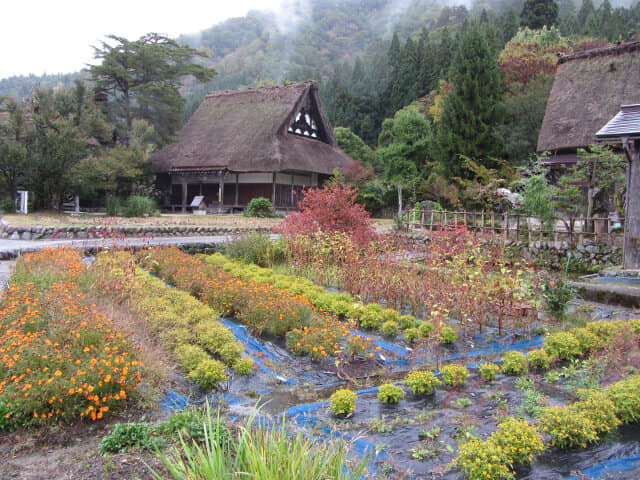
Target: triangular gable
309	119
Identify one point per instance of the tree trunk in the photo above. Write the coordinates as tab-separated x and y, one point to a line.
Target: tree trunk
400	201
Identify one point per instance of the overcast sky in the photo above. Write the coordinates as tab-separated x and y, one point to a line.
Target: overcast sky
55	36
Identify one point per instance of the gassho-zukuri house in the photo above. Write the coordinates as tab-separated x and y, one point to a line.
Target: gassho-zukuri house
261	142
588	90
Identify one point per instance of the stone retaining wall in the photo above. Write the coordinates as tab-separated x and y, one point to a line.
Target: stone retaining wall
83	233
588	257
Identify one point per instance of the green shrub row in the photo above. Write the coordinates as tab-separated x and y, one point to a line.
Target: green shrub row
185	325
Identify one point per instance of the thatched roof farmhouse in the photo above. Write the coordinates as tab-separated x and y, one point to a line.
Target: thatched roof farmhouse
588	90
260	142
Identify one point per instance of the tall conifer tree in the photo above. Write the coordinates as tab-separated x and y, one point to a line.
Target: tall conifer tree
470	113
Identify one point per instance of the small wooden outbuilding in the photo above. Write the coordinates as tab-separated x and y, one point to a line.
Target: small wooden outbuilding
260	142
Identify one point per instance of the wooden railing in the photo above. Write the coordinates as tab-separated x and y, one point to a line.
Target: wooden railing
514	226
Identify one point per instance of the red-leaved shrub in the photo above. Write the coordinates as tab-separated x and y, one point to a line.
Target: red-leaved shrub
330	209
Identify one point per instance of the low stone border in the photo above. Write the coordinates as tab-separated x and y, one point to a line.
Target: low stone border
82	233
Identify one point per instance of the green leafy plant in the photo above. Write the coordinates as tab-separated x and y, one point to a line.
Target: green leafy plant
463	402
243	366
488	371
448	335
408	321
568	427
562	346
625	395
422	382
343	402
390	393
411	335
514	363
538	359
129	435
454	375
139	206
533	402
518	440
426	328
556	295
209	373
260	207
390	328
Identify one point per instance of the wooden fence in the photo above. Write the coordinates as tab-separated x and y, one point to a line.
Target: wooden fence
513	226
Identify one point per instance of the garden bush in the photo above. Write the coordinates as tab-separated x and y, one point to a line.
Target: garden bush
343	402
448	335
422	382
454	375
598	408
568	427
390	393
518	440
625	395
129	435
243	366
488	371
514	363
562	346
139	206
483	460
255	248
408	321
208	373
587	340
426	328
390	328
538	359
556	295
411	335
260	207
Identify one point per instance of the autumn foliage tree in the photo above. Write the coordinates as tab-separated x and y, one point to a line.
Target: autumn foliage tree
329	210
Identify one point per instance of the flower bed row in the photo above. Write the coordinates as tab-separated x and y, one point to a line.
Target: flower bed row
59	356
186	326
262	307
371	316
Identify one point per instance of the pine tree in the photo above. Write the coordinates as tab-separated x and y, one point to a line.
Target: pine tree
538	13
471	109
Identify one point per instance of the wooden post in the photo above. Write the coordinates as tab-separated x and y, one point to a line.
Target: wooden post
431	222
422	225
237	191
273	188
493	225
517	228
482	220
183	182
220	192
505	226
445	219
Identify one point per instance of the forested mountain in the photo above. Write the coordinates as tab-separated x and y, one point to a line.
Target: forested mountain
403	78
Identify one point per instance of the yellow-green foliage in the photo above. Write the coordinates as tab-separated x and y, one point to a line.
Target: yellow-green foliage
518	440
390	328
539	359
488	371
568	427
562	346
407	321
483	460
422	382
454	374
208	373
426	328
190	356
625	395
218	340
180	320
448	335
343	402
390	393
514	363
599	409
587	340
243	366
515	442
411	334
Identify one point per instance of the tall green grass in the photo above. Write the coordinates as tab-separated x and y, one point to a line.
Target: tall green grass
257	452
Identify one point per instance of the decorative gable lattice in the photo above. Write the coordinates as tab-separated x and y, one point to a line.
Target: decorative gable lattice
307	122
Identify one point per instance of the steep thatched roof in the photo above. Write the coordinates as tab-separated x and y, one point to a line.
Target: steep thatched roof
248	131
588	90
